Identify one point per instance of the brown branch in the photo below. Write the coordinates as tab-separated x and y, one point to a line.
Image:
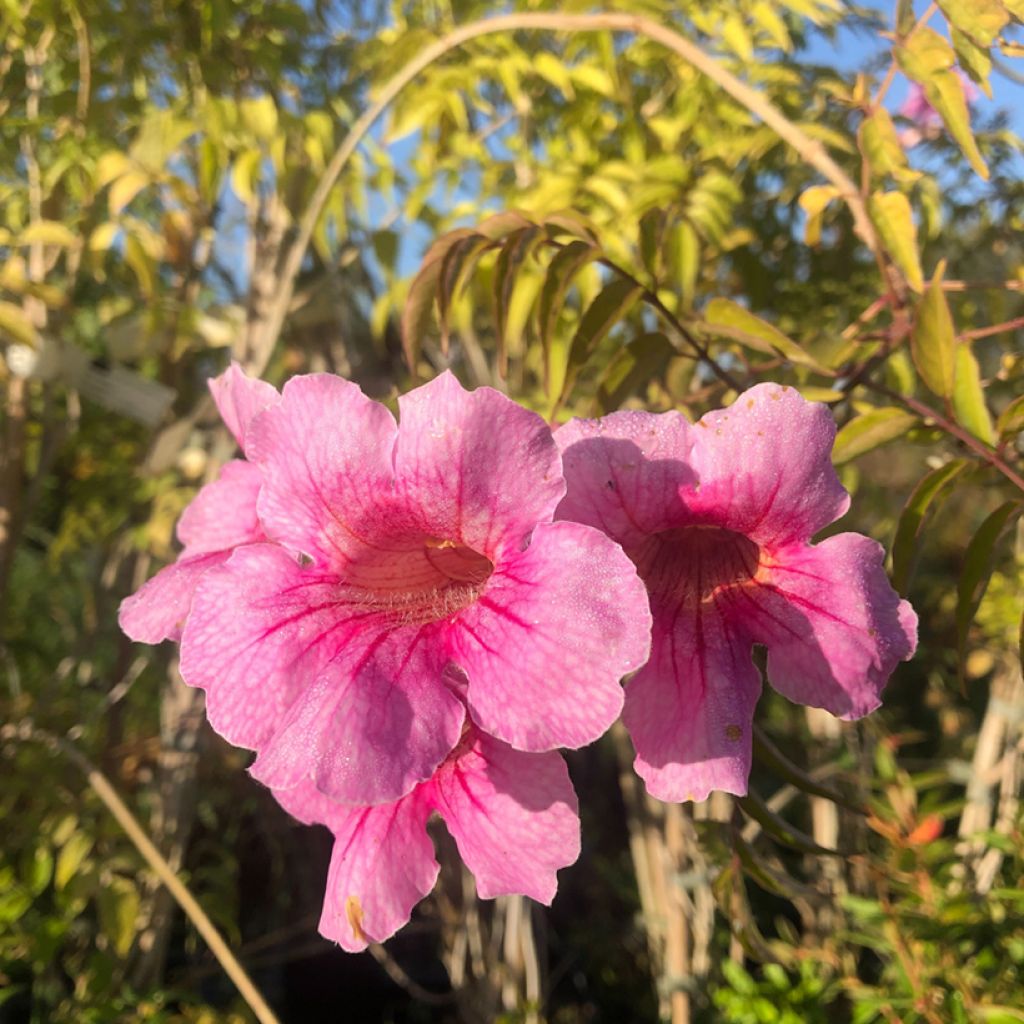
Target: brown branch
810	150
990	455
985	332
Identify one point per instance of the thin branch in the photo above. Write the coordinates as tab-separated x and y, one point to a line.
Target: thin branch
985	332
810	150
117	807
979	447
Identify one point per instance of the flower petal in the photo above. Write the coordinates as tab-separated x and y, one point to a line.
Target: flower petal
834	627
623	472
690	709
382	865
376	722
239	399
764	467
325	454
545	645
514	817
223	514
477	468
158	609
261	630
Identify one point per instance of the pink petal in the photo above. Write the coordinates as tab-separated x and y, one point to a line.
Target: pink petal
223	514
239	399
624	472
158	609
325	454
476	467
382	865
690	709
377	721
764	467
514	817
545	645
834	627
261	629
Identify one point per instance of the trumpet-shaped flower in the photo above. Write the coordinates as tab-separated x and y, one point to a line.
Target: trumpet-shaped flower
513	817
718	519
424	545
221	517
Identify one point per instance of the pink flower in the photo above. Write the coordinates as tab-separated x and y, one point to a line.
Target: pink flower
513	817
718	519
221	517
424	546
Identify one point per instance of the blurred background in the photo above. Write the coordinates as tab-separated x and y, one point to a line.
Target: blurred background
157	165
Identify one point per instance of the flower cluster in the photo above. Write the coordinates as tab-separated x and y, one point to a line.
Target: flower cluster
408	617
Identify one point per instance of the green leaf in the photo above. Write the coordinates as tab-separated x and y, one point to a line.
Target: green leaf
892	216
510	258
969	396
973	59
633	366
778	828
728	319
928	59
70	858
870	430
769	756
456	266
929	493
419	303
977	568
118	905
933	341
1011	419
608	308
686	250
564	266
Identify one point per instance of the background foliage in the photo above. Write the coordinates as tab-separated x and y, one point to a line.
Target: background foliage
584	220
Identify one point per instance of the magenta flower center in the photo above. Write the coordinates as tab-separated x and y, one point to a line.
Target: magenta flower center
690	566
417	579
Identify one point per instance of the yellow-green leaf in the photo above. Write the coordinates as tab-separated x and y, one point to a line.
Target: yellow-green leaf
70	858
244	174
48	232
103	236
125	189
982	20
928	59
813	202
933	342
969	396
892	216
881	146
873	428
728	319
259	115
118	905
110	166
15	324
